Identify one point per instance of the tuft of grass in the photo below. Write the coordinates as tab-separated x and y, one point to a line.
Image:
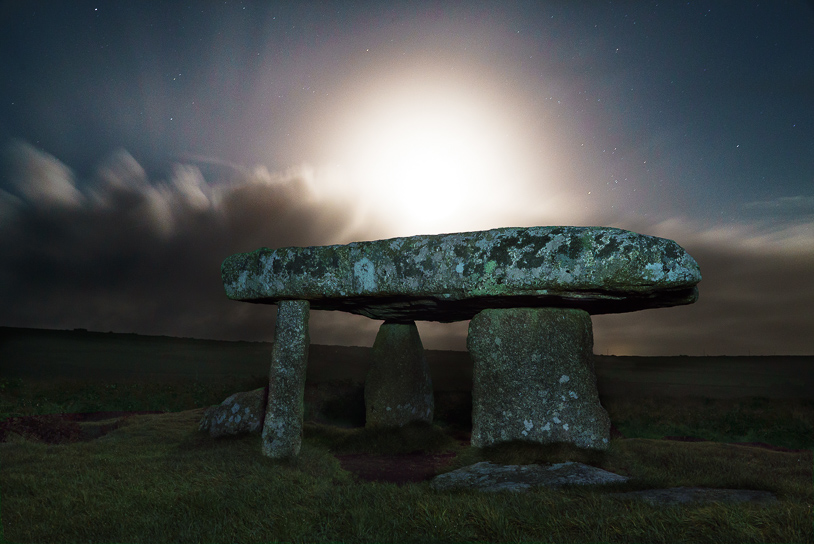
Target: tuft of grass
158	479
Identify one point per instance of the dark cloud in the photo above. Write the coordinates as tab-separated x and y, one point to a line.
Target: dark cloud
125	253
750	302
131	255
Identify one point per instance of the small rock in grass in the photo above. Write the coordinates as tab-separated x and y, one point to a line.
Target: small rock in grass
240	413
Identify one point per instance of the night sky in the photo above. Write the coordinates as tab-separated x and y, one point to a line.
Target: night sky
144	142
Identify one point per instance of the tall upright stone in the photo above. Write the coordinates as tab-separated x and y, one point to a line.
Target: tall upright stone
282	428
398	387
534	379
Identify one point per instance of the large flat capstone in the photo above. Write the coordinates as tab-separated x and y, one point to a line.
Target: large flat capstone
452	277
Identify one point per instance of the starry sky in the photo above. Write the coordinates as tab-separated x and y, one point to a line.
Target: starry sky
144	142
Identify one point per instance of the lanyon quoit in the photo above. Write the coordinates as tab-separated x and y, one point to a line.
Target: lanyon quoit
528	292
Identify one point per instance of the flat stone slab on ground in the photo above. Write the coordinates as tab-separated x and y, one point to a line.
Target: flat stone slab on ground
486	476
684	495
490	477
451	277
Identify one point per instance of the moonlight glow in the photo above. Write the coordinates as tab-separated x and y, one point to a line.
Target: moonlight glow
424	159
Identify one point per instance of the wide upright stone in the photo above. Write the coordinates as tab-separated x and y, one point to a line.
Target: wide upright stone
452	277
282	428
398	387
533	378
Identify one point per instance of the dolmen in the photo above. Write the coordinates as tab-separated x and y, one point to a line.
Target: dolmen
529	293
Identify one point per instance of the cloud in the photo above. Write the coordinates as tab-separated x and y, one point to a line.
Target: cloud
122	252
39	178
798	208
189	184
754	298
130	254
749	303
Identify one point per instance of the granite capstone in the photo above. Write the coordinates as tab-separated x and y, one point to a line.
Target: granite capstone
452	277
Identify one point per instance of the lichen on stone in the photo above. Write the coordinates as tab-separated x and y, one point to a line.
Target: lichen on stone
451	277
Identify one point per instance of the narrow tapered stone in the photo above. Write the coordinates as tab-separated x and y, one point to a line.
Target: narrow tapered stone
282	429
398	387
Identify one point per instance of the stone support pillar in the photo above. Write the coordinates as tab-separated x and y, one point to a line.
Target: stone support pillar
398	388
534	379
282	428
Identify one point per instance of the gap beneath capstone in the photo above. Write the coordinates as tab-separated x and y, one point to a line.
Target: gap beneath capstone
533	379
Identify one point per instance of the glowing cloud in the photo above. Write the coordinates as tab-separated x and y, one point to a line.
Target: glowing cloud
40	178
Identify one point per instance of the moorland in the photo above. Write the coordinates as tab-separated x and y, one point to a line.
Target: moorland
156	478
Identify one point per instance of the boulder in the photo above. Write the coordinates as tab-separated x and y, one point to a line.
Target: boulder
534	380
240	413
490	477
398	387
452	277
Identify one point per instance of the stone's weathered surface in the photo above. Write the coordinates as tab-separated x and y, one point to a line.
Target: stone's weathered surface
451	277
489	477
398	387
533	378
240	413
282	429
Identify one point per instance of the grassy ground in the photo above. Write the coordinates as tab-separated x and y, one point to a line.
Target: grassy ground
157	479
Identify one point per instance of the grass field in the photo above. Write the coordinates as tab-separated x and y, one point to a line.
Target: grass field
158	479
37	354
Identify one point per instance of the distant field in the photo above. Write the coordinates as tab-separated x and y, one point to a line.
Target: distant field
46	355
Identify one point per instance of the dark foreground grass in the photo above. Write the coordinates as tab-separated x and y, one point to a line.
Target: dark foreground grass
157	479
